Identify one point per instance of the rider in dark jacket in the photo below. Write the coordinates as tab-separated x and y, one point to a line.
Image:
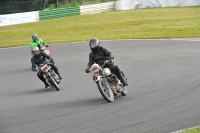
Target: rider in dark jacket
39	58
100	54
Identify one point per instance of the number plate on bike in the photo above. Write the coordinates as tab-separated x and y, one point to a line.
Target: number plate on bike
44	68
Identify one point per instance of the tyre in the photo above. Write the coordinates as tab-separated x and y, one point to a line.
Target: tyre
53	83
105	90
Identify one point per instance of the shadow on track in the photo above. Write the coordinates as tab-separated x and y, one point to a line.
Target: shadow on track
87	102
17	71
34	91
77	103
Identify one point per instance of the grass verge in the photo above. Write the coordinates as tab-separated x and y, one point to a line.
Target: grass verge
195	130
178	22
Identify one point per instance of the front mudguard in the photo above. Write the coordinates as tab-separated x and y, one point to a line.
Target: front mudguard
96	77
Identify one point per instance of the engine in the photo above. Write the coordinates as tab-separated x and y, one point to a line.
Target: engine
113	80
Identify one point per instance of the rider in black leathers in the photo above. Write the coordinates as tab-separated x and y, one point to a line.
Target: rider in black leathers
100	54
37	59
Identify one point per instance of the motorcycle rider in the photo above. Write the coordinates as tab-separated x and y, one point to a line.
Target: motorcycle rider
39	58
99	54
37	41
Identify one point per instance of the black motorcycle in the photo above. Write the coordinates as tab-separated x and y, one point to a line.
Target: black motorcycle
49	75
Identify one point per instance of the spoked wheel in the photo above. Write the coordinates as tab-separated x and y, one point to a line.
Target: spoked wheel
105	90
53	83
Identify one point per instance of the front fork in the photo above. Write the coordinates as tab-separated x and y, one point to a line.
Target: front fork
46	76
97	77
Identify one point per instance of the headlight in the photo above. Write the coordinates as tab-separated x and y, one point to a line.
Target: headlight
107	71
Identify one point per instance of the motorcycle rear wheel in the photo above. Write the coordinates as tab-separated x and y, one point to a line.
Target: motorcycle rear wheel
105	90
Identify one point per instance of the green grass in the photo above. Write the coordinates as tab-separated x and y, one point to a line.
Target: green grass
195	130
179	22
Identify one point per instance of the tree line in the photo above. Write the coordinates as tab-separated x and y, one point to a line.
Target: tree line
17	6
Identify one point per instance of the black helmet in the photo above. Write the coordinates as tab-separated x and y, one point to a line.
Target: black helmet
94	43
35	51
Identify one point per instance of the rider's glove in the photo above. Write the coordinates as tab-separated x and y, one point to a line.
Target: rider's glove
108	61
87	70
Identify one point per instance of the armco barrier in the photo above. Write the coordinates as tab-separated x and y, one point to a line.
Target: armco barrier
59	13
97	8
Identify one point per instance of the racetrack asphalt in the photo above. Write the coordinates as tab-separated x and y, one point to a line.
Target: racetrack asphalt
163	92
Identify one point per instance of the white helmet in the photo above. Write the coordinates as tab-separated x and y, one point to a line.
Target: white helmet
35	50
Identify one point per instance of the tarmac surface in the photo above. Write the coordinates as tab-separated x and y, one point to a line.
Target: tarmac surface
163	92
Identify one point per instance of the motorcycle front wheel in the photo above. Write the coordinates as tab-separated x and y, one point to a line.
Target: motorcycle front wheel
105	90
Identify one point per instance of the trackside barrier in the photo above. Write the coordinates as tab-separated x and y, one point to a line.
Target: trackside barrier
19	18
37	16
135	4
59	13
97	8
27	17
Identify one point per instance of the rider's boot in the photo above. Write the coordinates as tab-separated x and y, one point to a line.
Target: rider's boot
59	75
121	77
46	85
